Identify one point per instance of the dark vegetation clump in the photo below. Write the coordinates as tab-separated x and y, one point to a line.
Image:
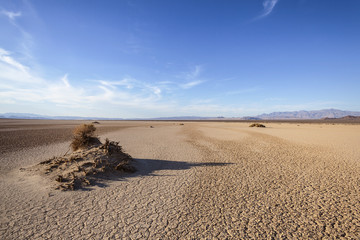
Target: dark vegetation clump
95	122
84	136
89	160
257	125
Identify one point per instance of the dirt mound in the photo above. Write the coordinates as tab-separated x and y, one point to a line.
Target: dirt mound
257	125
80	168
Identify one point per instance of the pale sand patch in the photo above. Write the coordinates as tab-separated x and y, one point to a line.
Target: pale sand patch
201	180
344	138
225	131
338	135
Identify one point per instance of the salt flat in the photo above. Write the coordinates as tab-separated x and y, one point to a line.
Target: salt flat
211	180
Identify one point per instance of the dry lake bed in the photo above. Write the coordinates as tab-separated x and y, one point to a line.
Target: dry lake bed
196	180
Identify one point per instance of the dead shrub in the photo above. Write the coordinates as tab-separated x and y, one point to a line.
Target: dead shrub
85	167
84	136
257	125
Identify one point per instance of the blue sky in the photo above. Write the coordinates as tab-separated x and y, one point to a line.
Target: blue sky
178	58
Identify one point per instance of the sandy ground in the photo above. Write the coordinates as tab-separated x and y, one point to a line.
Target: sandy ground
195	181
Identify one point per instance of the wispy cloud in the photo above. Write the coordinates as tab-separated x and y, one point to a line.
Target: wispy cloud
191	84
20	84
127	82
25	39
192	78
5	58
13	71
11	15
268	8
132	85
194	73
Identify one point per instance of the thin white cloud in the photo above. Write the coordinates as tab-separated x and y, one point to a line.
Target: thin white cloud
25	39
194	73
191	78
19	84
22	88
191	84
5	57
187	80
156	90
132	85
11	15
127	82
66	81
268	8
12	70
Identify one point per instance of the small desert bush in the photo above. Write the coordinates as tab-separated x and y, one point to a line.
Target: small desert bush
83	136
257	125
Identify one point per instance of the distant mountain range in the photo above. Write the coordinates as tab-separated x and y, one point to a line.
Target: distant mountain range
319	114
37	116
187	118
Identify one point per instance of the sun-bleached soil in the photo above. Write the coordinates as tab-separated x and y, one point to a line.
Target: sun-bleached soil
199	180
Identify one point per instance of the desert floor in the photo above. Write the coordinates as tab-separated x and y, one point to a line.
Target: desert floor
200	180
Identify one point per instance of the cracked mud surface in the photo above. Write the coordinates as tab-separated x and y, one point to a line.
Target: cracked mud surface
199	180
